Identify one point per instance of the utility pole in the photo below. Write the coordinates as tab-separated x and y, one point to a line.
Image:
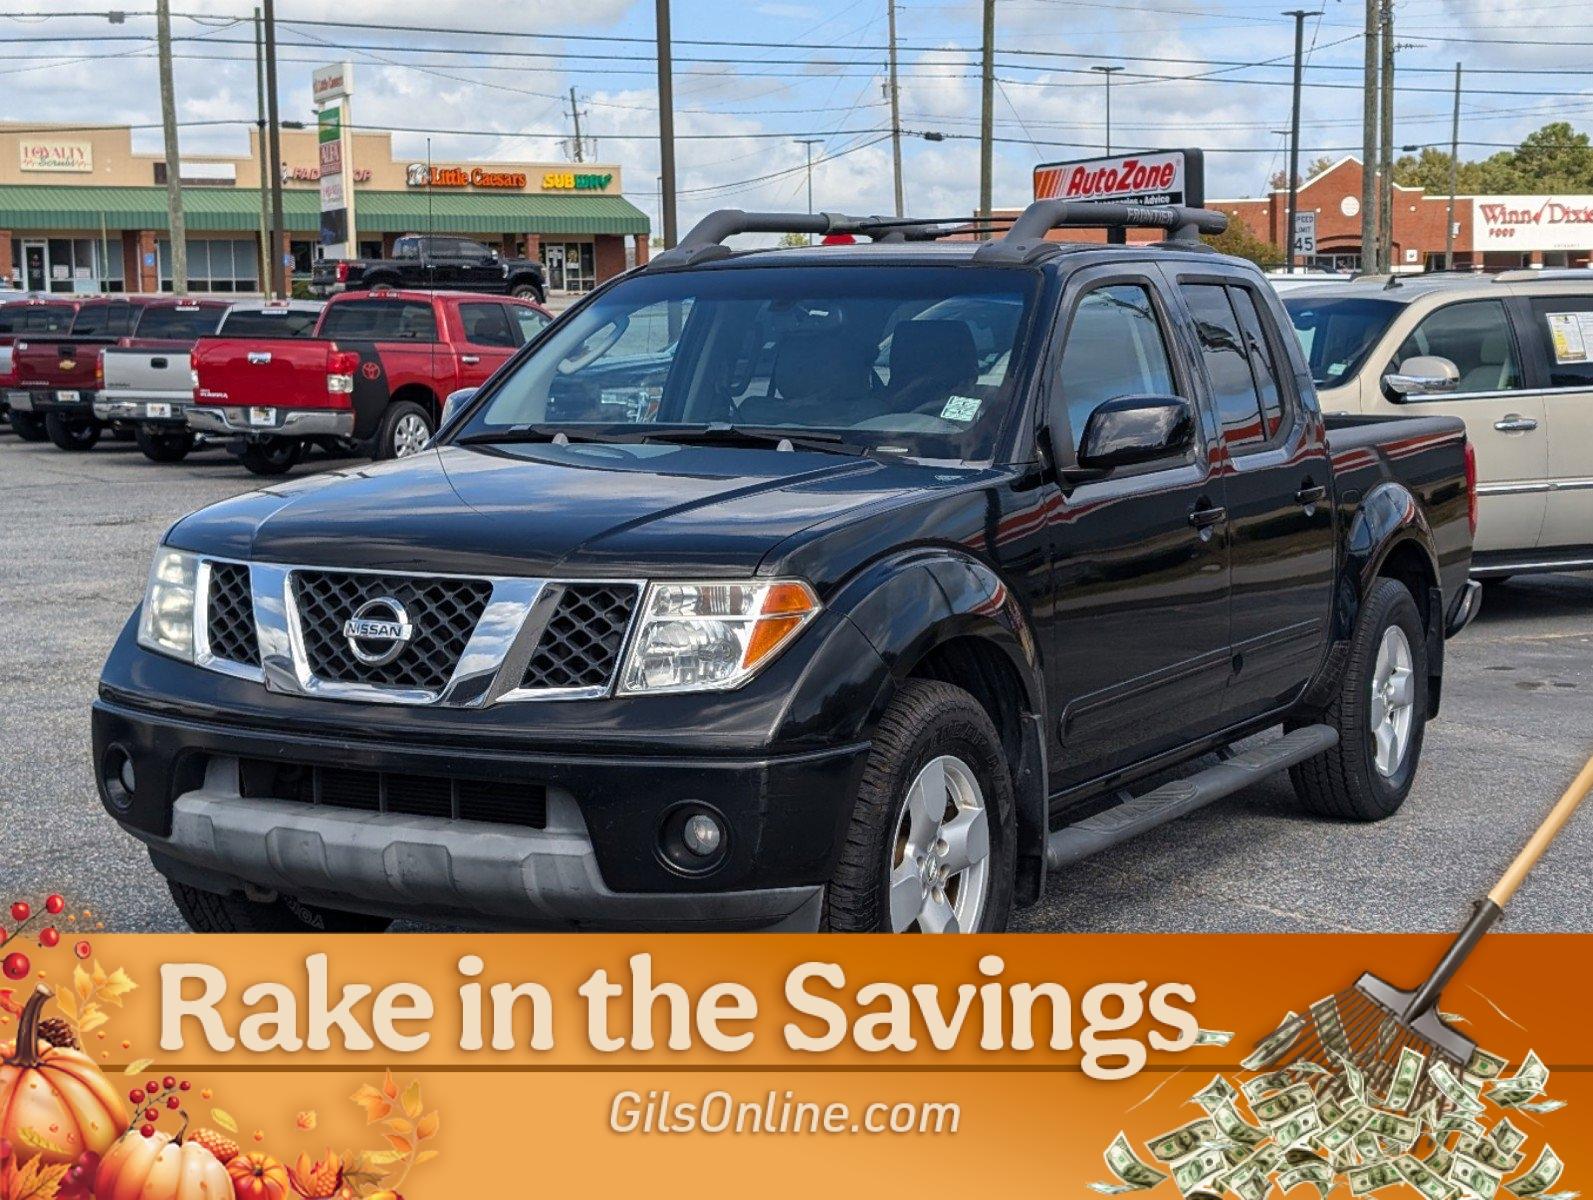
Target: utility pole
1107	73
896	106
176	226
1454	176
808	144
279	278
666	122
1299	16
987	113
1369	141
260	149
1385	214
575	115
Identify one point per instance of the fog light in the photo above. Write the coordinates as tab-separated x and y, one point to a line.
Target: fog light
117	778
129	780
702	835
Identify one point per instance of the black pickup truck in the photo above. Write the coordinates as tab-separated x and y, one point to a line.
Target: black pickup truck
851	587
435	263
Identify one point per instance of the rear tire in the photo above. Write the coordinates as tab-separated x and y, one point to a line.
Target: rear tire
27	426
1380	712
167	447
207	912
527	291
405	429
73	434
272	456
894	876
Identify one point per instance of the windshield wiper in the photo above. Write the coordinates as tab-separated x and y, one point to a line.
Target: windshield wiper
722	434
532	433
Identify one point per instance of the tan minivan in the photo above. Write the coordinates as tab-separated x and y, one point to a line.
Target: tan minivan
1511	355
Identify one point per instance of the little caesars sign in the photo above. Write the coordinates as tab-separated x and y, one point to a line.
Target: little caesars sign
1527	223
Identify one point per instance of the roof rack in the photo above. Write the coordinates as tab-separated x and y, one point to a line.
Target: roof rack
1534	274
1026	240
705	242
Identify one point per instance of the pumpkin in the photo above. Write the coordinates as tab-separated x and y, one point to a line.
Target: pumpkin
55	1094
161	1167
258	1176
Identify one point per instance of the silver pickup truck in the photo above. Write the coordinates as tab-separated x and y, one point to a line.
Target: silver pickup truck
150	382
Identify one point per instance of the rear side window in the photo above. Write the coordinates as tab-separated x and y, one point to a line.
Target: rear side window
1235	387
1115	348
486	325
270	322
380	321
1475	336
1566	326
531	321
178	323
1261	360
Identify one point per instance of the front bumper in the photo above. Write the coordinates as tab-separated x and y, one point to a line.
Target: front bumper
283	422
595	863
146	410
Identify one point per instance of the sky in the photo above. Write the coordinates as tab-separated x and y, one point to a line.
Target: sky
784	70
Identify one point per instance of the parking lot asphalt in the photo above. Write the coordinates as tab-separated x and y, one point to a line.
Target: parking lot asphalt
77	532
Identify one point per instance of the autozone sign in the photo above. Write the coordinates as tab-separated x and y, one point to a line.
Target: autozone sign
1532	222
1154	177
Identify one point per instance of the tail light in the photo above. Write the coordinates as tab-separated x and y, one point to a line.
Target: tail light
1471	487
342	272
99	370
340	368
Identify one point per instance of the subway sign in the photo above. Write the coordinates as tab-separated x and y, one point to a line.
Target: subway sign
575	181
1153	177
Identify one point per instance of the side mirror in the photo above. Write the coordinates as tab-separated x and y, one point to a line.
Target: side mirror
1136	429
456	400
1424	375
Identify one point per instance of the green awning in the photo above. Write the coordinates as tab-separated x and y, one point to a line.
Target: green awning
31	207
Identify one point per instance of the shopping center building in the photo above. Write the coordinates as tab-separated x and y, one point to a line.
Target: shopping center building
82	211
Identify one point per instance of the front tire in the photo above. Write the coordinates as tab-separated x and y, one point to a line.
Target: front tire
73	434
405	430
207	912
527	291
272	455
1380	712
932	845
27	426
164	447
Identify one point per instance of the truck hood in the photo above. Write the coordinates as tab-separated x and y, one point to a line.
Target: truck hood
583	509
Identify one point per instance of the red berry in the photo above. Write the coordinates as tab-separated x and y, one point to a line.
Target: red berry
173	1102
184	1086
49	936
54	902
152	1114
16	965
169	1082
136	1095
147	1130
21	911
82	950
88	1160
152	1086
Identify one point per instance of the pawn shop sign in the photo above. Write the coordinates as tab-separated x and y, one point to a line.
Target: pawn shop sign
1152	177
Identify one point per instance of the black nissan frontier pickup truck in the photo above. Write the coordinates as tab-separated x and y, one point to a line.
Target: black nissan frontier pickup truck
853	587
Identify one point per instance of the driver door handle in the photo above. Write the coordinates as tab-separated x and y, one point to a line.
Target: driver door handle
1515	423
1205	516
1310	493
470	360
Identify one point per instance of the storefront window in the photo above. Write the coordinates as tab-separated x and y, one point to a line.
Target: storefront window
570	266
69	264
215	265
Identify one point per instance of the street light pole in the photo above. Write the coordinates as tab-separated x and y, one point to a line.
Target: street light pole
987	112
260	149
1454	176
177	235
1385	154
279	280
1299	16
666	120
808	144
896	107
1107	73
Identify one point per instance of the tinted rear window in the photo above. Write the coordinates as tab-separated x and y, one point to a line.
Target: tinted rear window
35	318
270	322
380	321
178	323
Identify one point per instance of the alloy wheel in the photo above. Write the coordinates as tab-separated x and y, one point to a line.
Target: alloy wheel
940	871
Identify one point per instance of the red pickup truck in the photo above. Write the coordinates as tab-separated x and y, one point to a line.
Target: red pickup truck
58	376
377	370
36	318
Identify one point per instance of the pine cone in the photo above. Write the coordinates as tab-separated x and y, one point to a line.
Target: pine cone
58	1033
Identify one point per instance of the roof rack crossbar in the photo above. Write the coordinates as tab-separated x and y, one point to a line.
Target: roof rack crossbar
1026	238
706	238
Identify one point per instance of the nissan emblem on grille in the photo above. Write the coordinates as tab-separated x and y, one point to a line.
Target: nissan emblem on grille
378	631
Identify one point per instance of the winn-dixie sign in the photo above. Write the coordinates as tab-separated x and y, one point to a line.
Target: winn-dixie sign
1532	222
1155	177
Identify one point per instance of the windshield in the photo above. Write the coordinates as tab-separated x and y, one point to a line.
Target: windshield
1338	332
178	322
907	360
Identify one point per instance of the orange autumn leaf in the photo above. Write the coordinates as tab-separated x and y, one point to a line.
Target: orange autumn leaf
389	1086
375	1104
426	1127
306	1120
402	1144
412	1103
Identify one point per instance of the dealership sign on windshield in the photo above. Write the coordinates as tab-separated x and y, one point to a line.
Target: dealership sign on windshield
1155	177
1532	222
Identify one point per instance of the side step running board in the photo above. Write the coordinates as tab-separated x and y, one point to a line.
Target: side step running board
1182	796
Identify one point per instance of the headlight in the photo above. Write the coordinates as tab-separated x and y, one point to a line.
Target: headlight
699	637
167	623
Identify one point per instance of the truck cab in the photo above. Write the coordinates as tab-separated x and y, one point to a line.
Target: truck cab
58	376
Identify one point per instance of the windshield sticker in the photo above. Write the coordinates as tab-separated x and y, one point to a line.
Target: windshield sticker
961	408
1570	332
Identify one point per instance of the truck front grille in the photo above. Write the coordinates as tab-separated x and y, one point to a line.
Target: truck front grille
492	802
230	615
581	645
442	612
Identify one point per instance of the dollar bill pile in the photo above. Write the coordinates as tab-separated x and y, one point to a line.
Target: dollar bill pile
1445	1132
